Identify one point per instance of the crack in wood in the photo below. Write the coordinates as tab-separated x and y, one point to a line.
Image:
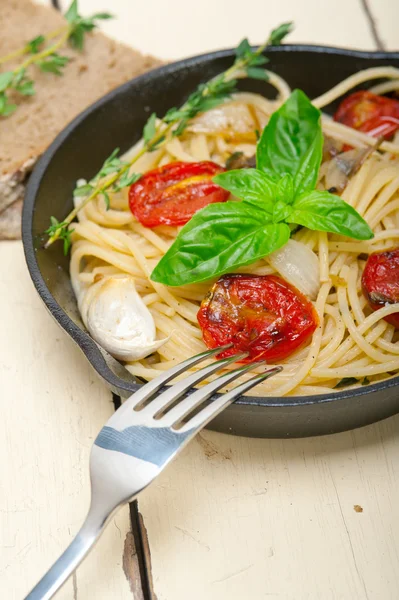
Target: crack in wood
231	575
191	536
352	550
137	558
373	25
131	567
75	586
147	556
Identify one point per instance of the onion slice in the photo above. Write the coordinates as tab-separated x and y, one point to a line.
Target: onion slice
298	265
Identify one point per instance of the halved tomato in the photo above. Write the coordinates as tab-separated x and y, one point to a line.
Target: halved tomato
376	115
172	194
262	315
380	281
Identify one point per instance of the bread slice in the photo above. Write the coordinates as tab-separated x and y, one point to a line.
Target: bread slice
101	66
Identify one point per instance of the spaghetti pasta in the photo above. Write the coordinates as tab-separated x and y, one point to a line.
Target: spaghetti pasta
350	340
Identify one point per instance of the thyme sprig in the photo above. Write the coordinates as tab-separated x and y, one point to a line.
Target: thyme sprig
112	165
34	45
46	58
65	232
115	174
79	25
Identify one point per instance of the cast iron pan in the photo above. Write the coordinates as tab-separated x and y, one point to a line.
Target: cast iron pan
117	120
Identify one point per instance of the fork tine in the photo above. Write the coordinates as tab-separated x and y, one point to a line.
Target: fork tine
178	412
149	389
209	412
178	389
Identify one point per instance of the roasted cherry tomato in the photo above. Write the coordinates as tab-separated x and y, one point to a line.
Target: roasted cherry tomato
170	195
262	315
376	115
380	281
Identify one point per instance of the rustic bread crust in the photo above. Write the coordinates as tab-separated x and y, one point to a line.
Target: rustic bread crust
103	65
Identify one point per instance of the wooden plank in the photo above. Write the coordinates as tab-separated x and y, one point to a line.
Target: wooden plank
166	28
241	518
385	15
52	406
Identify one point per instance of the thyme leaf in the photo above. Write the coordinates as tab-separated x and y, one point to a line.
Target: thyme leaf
33	47
64	233
54	63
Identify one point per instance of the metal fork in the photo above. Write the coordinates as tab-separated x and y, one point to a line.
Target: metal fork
139	440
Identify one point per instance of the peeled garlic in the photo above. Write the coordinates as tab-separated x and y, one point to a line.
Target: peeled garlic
117	318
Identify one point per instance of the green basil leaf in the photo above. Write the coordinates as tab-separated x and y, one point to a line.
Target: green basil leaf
219	238
250	185
287	137
322	211
281	211
285	190
308	169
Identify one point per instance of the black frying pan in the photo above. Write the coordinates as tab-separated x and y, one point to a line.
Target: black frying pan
117	120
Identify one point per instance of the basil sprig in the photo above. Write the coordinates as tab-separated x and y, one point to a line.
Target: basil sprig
279	192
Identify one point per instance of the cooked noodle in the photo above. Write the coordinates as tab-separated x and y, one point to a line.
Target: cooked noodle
351	340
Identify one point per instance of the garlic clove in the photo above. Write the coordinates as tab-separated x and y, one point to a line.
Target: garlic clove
118	320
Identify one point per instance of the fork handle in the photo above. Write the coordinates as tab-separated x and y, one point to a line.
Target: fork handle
57	575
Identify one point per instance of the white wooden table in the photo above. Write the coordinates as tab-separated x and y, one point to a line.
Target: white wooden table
232	518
